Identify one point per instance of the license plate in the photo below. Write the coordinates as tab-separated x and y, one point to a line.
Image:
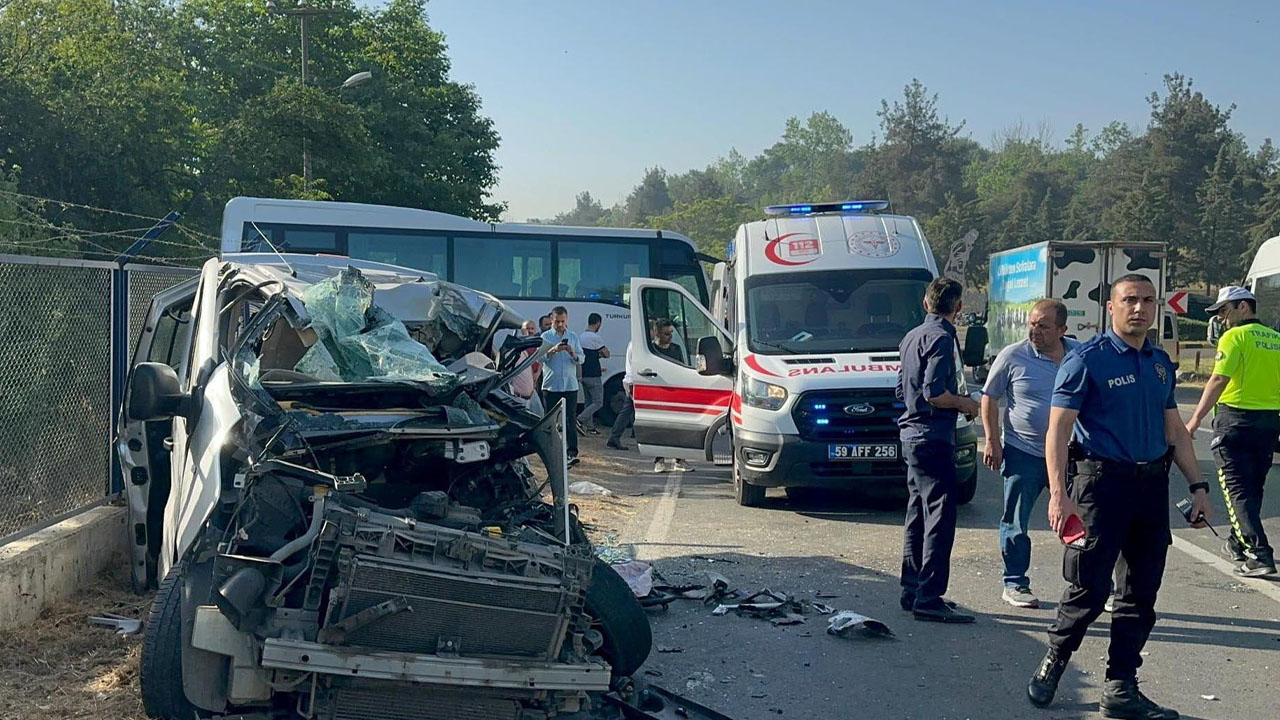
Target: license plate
888	451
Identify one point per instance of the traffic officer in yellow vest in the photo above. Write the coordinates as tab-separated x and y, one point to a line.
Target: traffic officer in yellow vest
1245	388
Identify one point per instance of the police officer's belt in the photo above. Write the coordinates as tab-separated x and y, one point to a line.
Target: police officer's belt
1092	465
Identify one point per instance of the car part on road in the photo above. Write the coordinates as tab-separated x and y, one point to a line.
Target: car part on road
847	623
121	624
654	703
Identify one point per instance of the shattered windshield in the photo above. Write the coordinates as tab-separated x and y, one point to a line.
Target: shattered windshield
358	340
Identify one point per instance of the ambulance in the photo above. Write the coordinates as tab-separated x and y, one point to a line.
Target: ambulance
789	377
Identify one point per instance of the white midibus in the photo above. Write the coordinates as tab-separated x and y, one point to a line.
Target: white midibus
531	267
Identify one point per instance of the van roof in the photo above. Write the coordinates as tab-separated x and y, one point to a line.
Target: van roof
833	242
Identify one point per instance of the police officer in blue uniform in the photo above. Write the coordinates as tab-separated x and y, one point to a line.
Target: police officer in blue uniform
928	386
1116	392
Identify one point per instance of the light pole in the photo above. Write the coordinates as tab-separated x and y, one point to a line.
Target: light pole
302	11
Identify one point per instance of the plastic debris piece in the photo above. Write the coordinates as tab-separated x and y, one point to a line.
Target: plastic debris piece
821	608
586	487
1209	697
788	619
846	623
664	650
639	576
121	624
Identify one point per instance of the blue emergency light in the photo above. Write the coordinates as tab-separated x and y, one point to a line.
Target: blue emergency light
853	206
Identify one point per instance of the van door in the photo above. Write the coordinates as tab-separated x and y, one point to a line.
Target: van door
677	408
144	447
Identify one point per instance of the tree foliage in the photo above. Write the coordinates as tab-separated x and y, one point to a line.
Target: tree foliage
149	106
1186	179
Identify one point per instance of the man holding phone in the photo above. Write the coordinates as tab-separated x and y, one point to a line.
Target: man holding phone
560	373
1116	394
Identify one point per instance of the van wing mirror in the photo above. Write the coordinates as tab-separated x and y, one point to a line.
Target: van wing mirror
711	357
154	393
975	345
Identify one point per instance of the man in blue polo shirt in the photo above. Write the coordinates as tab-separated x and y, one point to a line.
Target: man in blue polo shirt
928	386
1116	393
1023	376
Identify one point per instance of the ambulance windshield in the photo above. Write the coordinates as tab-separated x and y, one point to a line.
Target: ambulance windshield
833	311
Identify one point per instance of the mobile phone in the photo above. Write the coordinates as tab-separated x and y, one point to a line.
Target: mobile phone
564	341
1073	532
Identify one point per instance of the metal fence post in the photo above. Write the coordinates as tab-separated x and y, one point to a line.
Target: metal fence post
119	366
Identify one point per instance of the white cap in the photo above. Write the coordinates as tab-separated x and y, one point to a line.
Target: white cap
1230	293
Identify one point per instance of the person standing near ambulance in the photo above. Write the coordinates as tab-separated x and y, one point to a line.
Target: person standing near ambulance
1245	389
1115	393
1023	376
929	388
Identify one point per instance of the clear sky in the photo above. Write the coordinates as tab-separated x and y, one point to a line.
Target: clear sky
587	94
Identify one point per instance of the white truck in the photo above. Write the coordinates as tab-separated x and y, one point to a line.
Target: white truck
1079	274
796	364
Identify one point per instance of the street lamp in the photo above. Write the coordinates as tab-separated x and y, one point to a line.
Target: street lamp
359	78
302	11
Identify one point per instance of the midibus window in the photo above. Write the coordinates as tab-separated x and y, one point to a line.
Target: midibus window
420	252
505	267
309	241
600	271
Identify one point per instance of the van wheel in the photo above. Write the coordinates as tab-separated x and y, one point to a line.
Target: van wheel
621	620
968	487
746	494
160	669
614	400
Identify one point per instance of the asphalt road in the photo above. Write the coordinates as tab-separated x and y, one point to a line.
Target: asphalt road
1217	635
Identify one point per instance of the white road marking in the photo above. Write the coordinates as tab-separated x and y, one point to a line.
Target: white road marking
1266	587
660	524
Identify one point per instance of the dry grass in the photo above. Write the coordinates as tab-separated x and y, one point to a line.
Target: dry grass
60	667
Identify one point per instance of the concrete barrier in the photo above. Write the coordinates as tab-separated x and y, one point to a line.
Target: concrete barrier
53	563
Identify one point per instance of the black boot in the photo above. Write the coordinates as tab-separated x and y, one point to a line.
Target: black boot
1044	684
1121	700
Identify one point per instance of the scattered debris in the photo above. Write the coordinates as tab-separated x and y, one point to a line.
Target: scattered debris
121	624
759	695
847	622
653	673
639	576
1210	697
788	619
676	649
700	680
712	560
826	596
822	609
586	487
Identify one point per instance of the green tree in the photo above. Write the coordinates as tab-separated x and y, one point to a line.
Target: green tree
814	161
587	212
921	156
710	222
1221	239
651	197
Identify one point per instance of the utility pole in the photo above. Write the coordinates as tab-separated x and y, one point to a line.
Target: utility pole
302	11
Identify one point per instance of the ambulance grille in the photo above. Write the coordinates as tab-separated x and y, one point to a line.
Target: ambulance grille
821	415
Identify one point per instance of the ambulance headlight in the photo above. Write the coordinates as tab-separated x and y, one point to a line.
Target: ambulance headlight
760	394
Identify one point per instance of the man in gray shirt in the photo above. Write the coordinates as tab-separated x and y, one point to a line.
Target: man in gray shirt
1023	376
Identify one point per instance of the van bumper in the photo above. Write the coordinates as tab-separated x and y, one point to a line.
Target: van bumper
795	462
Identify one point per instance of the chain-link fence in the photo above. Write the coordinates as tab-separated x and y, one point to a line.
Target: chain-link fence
57	354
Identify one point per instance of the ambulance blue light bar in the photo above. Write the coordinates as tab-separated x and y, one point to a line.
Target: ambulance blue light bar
852	206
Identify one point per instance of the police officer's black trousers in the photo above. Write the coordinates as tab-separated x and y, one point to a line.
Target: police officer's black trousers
1243	443
1125	509
930	529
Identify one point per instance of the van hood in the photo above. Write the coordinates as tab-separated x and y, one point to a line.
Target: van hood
825	371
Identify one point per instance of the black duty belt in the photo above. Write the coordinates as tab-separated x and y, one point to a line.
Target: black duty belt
1091	465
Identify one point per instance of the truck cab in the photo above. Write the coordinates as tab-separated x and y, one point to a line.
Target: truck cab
797	362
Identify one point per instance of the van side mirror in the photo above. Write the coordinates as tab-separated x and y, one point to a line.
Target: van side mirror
711	358
975	345
154	393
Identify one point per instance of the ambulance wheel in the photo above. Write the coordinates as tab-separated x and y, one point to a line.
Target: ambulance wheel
969	487
746	494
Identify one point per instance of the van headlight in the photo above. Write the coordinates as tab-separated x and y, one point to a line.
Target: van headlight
760	394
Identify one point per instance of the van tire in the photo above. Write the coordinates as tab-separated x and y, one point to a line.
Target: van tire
620	619
746	494
160	668
614	398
